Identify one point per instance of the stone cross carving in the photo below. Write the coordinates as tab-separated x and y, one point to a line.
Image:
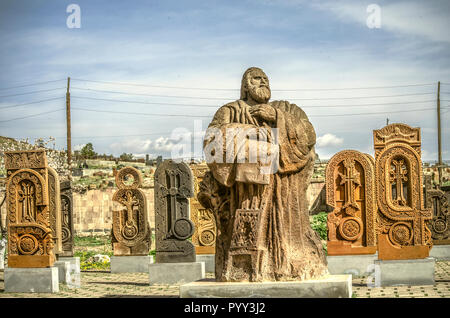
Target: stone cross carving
351	224
402	223
30	238
397	176
131	234
67	226
438	201
173	188
259	203
54	195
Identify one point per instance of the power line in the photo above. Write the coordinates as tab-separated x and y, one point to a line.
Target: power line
216	106
143	114
377	113
29	103
32	84
34	115
225	98
33	92
236	89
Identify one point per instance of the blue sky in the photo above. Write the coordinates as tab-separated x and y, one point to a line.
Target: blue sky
306	45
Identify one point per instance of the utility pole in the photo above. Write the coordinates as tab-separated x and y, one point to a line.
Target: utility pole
387	121
69	136
439	134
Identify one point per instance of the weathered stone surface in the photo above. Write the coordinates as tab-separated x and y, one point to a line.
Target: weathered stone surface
204	237
176	273
401	221
67	227
28	210
54	194
261	156
440	252
130	264
330	286
409	272
130	232
63	270
69	271
438	201
351	194
209	260
356	265
31	280
174	186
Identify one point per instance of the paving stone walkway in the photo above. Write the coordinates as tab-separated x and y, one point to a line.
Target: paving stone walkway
104	284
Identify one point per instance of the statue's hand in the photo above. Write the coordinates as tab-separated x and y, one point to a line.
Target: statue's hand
264	111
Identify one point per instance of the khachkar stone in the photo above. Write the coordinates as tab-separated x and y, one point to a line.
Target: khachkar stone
54	196
131	233
260	206
351	193
438	201
174	186
402	221
204	237
67	228
30	239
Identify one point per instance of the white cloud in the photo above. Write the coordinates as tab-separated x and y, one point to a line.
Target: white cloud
329	140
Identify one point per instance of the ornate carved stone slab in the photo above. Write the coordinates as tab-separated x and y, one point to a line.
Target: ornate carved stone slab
67	228
437	200
402	220
131	233
204	237
174	186
351	194
54	196
30	239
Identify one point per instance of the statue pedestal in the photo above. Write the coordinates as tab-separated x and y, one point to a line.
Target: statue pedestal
176	273
131	264
331	286
356	265
409	272
69	271
31	280
209	260
440	252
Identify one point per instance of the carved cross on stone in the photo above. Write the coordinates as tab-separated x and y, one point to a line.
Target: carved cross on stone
174	184
351	182
26	197
398	175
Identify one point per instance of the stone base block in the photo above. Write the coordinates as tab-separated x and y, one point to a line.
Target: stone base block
31	280
176	273
356	265
440	252
130	264
69	274
209	260
409	272
331	286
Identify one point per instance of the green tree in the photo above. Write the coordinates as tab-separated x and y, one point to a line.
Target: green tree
87	152
126	157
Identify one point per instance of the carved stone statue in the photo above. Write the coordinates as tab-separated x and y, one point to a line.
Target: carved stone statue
174	186
402	221
131	233
259	200
204	237
30	240
67	230
351	192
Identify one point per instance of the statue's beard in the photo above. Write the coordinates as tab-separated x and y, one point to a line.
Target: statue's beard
260	94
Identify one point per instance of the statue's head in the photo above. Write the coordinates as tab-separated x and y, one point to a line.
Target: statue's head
255	85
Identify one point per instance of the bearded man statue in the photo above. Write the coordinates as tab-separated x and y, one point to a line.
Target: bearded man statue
259	201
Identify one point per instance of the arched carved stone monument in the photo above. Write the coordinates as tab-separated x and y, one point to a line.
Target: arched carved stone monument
67	226
30	239
402	219
351	193
131	233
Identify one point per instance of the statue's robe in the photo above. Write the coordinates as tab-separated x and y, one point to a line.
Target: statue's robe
288	248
